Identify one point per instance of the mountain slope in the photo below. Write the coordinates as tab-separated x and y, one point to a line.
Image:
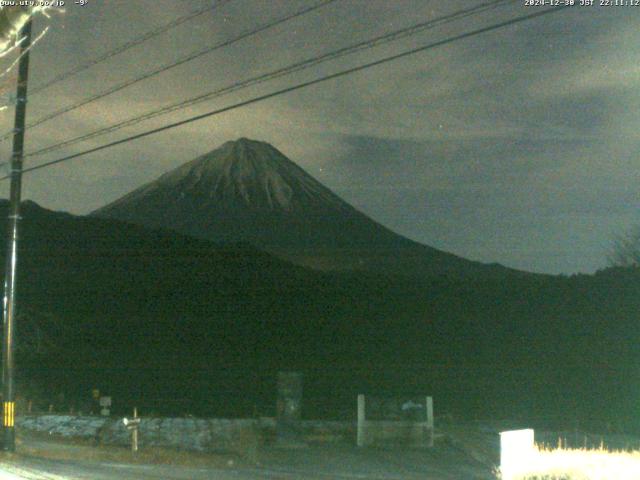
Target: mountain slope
249	191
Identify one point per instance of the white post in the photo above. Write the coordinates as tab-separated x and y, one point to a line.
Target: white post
134	433
361	420
429	407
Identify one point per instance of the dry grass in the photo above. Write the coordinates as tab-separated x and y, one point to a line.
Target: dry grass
580	464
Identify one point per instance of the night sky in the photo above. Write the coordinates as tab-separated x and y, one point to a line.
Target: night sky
518	146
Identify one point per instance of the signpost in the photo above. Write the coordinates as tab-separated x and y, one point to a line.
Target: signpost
396	419
105	403
133	424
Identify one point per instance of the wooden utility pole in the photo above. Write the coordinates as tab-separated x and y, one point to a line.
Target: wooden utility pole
9	309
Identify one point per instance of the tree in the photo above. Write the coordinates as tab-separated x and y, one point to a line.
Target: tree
625	251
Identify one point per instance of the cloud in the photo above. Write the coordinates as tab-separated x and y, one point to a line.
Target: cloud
499	147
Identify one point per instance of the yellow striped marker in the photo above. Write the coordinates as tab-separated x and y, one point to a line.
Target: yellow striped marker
9	414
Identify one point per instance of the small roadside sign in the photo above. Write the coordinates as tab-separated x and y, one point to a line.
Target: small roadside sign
131	422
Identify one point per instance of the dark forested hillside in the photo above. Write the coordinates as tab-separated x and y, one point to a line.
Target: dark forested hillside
179	325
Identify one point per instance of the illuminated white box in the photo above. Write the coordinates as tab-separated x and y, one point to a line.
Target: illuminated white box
517	451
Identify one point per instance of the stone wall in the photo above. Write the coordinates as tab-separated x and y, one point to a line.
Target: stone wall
193	434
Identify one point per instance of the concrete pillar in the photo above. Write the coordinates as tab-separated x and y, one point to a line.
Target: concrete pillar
289	407
361	420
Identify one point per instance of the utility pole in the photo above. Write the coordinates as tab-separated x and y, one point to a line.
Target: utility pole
9	309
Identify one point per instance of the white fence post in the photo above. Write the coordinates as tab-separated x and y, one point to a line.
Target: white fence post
134	433
361	420
430	427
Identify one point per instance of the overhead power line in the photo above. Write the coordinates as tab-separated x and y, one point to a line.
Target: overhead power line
299	86
295	67
192	56
128	45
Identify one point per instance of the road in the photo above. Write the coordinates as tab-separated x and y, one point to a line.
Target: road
53	469
53	460
47	469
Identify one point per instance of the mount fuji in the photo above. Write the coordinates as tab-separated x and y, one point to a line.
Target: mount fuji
248	191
